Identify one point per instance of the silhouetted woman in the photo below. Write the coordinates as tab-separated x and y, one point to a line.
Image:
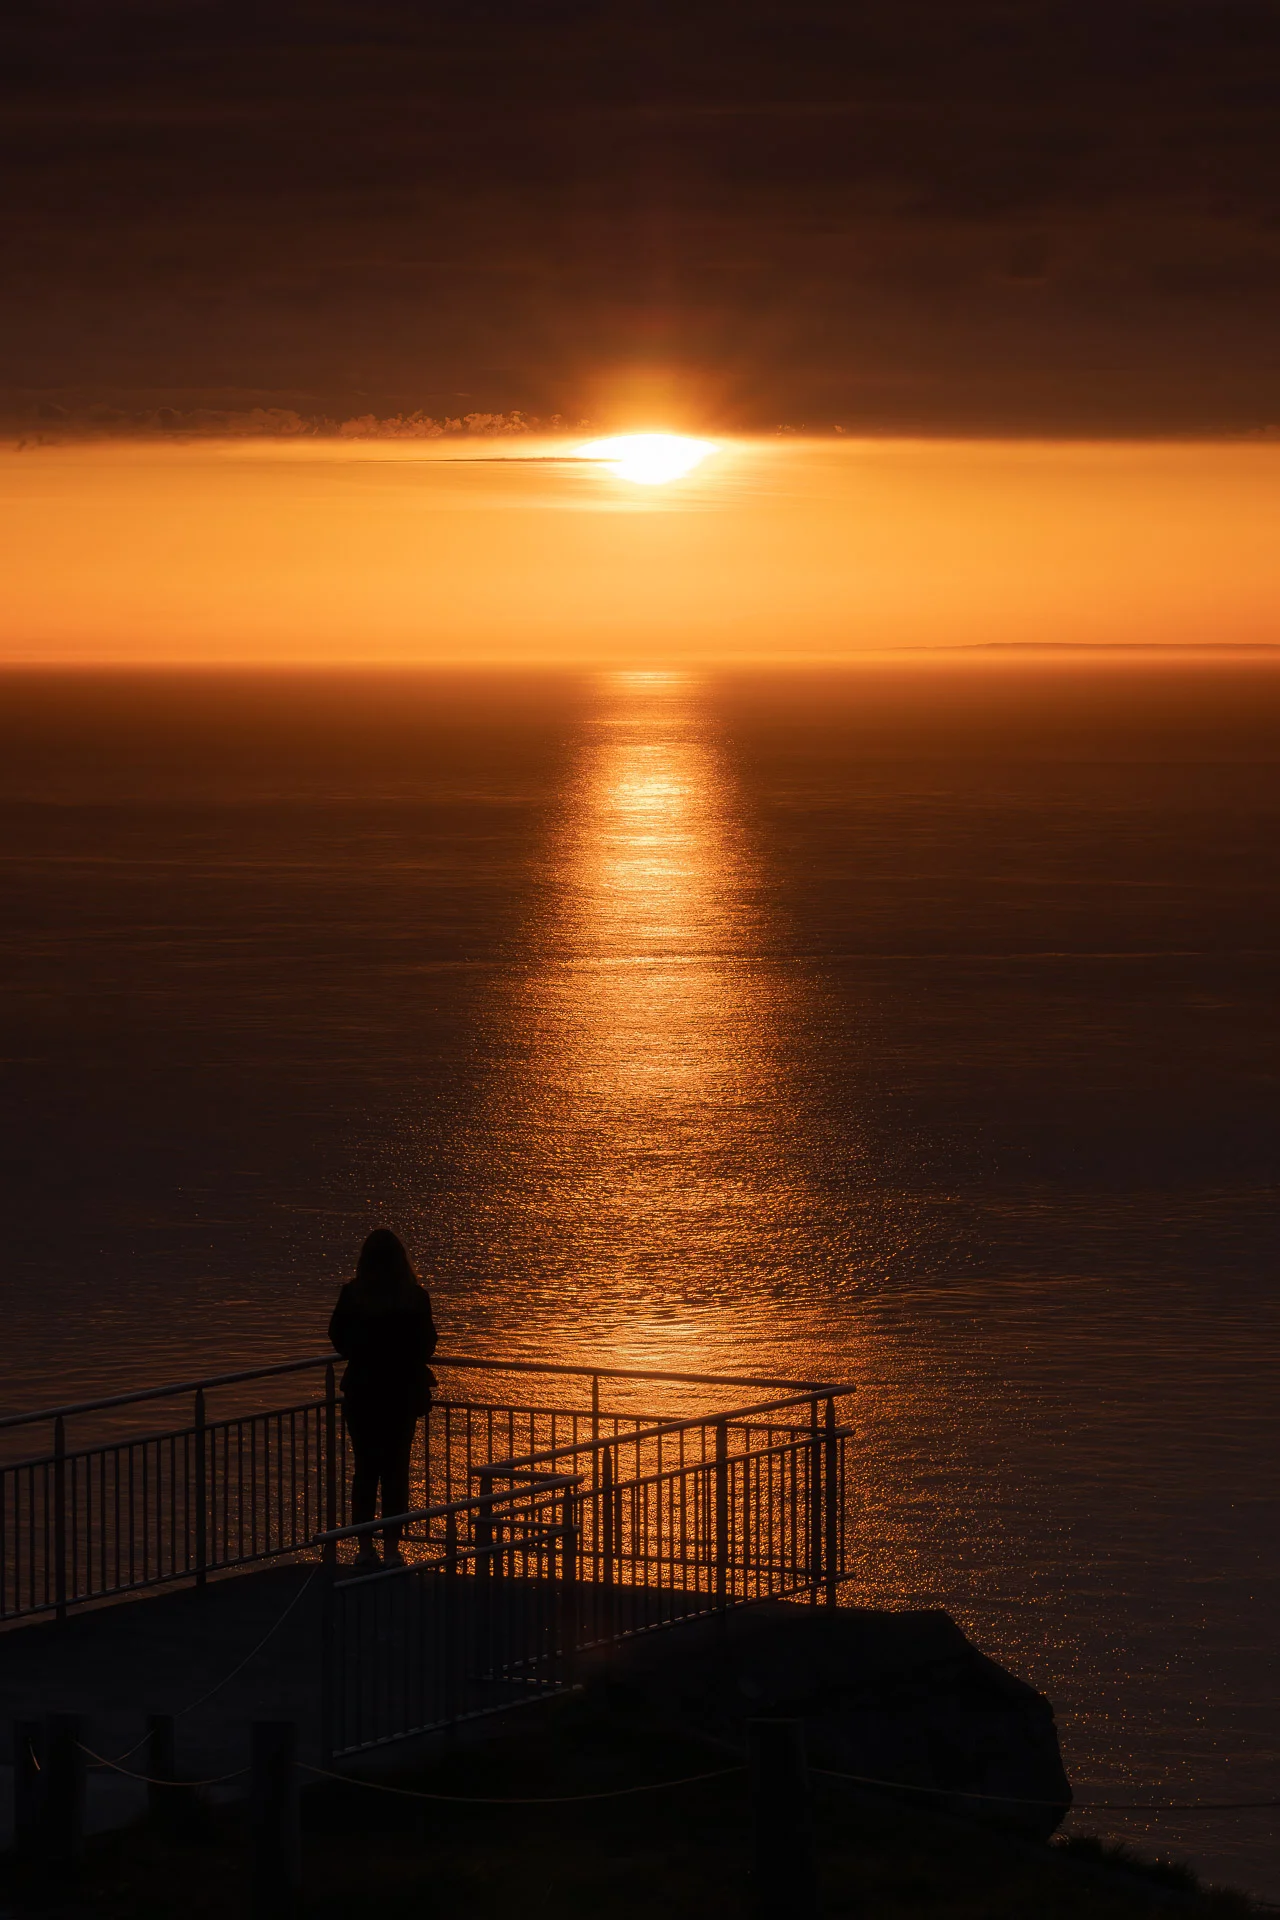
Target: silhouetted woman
383	1329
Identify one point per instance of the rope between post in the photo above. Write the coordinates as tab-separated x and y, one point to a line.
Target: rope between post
509	1800
150	1779
226	1678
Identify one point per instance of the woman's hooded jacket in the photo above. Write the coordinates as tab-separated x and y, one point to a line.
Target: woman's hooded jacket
386	1337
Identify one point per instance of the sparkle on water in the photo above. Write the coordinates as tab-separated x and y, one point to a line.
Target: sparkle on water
650	459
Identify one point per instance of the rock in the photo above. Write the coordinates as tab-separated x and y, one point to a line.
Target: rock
903	1698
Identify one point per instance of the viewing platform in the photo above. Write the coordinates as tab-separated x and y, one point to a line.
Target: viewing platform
559	1511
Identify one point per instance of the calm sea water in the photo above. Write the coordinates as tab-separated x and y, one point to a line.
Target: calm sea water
915	1028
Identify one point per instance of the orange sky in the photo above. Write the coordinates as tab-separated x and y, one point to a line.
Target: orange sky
323	551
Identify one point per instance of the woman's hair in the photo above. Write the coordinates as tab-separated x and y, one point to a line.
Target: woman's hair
383	1268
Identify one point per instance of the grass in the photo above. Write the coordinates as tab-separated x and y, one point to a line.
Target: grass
681	1854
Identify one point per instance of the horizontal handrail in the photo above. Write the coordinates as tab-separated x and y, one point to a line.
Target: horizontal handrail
462	1361
663	1427
628	1373
553	1483
162	1393
641	1482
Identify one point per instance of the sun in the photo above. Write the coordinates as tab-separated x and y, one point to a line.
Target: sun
650	459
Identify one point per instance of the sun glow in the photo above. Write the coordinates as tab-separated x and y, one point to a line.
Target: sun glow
650	459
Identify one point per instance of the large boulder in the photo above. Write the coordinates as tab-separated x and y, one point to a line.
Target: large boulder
901	1698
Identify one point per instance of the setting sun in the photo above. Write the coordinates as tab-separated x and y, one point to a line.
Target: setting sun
650	459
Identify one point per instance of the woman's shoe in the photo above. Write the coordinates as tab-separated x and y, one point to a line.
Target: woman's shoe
367	1561
394	1558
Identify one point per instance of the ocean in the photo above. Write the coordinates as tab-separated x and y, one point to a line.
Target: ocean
913	1025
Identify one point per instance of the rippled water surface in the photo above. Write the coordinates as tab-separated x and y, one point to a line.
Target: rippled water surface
916	1029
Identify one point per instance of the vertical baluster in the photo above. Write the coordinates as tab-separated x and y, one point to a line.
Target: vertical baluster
568	1587
145	1532
257	1500
447	1614
815	1504
833	1514
293	1477
220	1494
332	1674
595	1429
60	1517
32	1546
426	1500
239	1432
744	1523
330	1462
115	1519
73	1519
608	1518
484	1528
722	1510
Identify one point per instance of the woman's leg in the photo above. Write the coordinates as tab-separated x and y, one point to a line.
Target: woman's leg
362	1427
395	1472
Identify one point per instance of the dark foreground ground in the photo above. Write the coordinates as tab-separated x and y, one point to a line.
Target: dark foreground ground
683	1851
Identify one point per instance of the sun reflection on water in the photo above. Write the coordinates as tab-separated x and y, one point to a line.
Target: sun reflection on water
657	1181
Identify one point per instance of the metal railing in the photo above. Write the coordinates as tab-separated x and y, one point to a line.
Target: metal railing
735	1505
587	1542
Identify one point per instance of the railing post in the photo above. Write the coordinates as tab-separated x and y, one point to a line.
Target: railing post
330	1549
722	1512
202	1490
831	1476
815	1503
60	1517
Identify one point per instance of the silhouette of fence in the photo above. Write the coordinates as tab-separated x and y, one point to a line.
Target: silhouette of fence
571	1546
665	1517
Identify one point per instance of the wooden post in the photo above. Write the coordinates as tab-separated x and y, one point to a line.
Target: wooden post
61	1822
202	1490
28	1785
60	1518
722	1512
277	1821
784	1875
831	1476
330	1462
162	1767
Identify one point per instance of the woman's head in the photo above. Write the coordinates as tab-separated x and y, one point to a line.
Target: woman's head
383	1267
